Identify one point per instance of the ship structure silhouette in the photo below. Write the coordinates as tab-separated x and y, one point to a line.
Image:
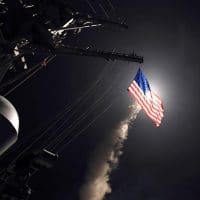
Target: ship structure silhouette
29	29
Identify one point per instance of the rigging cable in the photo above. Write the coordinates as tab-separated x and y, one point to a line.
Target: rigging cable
62	147
41	65
83	116
91	6
78	103
103	9
63	113
111	5
21	75
68	135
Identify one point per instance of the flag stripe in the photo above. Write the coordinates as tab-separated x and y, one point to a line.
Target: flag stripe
157	97
156	105
144	105
138	94
134	85
147	99
157	108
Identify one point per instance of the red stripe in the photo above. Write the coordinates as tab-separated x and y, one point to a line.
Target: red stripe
155	100
144	106
151	102
146	109
137	89
157	97
156	107
152	108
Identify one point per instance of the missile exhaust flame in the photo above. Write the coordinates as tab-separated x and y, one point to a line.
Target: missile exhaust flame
106	158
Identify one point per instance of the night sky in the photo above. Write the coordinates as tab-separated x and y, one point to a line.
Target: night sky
157	163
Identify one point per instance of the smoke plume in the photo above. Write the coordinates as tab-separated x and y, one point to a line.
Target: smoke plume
105	159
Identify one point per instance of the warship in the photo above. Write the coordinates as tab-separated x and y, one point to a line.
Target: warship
32	34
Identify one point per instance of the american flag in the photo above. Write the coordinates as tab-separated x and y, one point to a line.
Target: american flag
150	102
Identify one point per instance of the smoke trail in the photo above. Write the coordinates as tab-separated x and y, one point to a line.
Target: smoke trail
105	159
